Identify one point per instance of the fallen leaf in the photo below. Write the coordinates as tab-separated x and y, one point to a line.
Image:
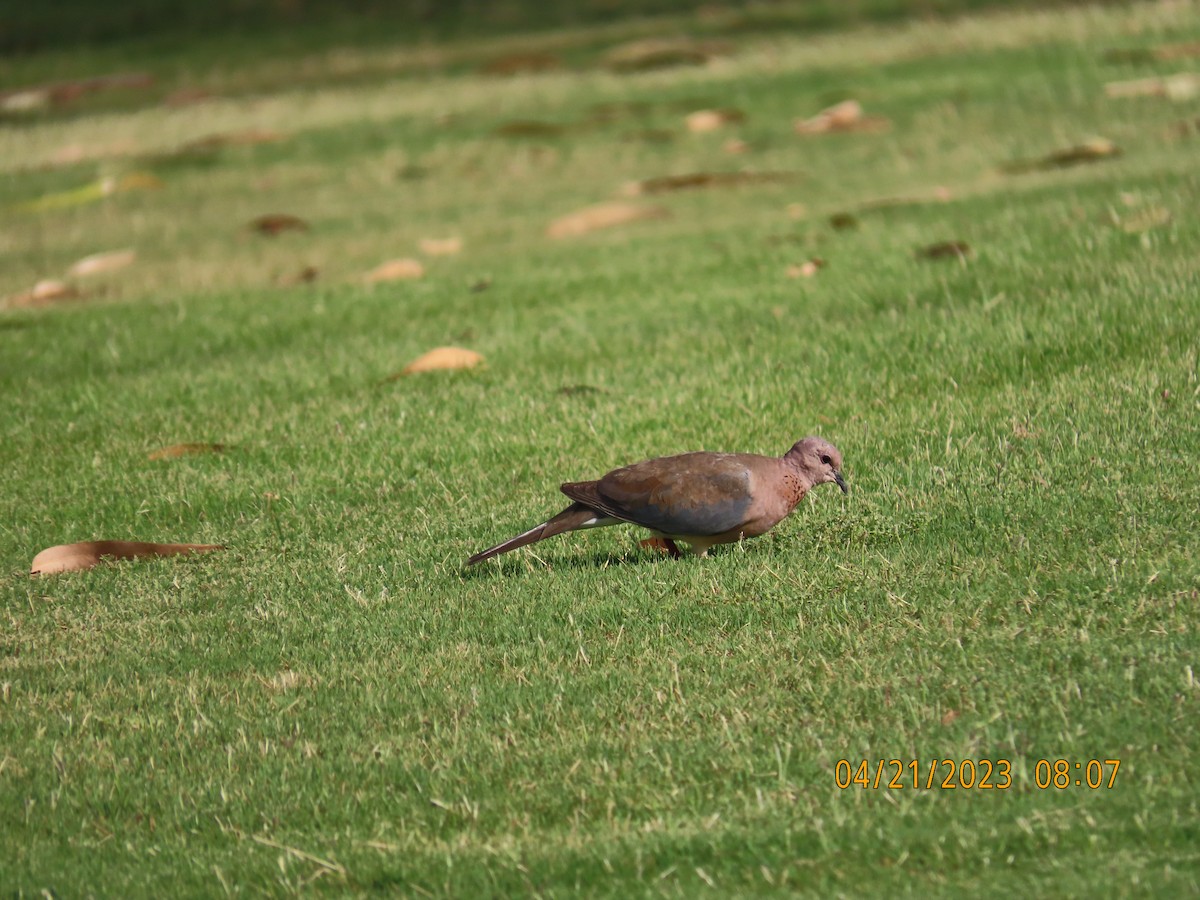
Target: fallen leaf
442	358
658	53
396	270
522	63
187	449
441	246
44	293
102	263
276	223
705	120
1183	86
1091	151
806	269
735	146
944	250
602	215
85	555
841	117
950	716
843	221
693	180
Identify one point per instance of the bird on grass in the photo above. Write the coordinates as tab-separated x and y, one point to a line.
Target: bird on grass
702	499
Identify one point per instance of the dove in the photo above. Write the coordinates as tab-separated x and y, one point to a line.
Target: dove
701	498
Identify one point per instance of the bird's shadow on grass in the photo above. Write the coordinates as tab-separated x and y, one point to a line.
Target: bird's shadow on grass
576	562
512	565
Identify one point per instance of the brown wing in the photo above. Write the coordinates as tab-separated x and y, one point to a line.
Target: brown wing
692	494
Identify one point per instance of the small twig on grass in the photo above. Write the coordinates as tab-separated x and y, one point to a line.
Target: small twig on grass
300	854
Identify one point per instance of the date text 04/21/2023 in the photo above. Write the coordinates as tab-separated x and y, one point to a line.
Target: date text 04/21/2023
972	774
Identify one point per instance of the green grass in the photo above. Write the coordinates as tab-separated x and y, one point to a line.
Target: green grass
334	704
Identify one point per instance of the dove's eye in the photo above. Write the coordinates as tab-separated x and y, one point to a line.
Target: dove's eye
826	460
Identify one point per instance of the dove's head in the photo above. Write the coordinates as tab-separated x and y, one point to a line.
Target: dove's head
819	460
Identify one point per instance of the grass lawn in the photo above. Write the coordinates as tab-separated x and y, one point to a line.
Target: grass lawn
334	704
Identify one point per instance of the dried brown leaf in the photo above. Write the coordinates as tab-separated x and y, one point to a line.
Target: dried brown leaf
273	224
1092	151
46	292
693	180
522	63
86	554
705	120
441	246
950	716
806	269
841	117
944	250
396	270
103	263
602	215
186	449
443	358
1182	86
843	221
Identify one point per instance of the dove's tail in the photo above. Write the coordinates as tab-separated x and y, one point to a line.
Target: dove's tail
572	518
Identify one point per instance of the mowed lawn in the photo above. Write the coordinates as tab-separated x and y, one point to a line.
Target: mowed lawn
334	704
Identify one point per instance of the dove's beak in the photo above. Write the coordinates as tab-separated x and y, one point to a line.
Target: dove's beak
841	482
